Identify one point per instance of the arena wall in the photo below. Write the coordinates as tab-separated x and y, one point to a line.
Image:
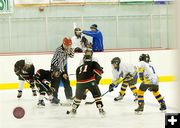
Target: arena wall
164	62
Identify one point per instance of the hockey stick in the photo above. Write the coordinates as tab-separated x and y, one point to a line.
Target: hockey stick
38	82
44	88
116	82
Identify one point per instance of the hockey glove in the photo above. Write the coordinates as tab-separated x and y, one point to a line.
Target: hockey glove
84	41
111	87
52	89
46	82
31	82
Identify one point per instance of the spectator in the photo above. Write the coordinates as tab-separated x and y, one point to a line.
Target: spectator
97	41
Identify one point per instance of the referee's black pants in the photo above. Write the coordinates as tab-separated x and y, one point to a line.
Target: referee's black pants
67	88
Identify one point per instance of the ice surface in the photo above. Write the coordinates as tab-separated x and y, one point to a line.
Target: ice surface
119	114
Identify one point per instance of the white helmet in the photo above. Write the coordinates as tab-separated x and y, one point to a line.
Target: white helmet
28	61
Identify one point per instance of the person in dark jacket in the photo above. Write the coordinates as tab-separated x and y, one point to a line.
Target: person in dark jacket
97	41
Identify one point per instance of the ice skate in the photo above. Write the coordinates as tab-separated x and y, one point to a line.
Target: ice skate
163	107
41	103
140	109
55	101
34	93
120	97
101	111
19	95
72	112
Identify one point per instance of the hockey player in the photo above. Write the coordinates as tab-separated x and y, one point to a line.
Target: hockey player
42	80
24	69
88	51
85	76
149	80
79	42
60	60
126	71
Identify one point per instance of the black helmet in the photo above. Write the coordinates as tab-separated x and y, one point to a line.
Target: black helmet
144	57
148	58
88	50
87	58
116	60
93	26
77	30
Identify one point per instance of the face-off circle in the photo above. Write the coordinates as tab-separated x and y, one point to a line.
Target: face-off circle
18	112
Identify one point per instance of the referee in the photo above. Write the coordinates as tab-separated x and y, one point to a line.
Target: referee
60	60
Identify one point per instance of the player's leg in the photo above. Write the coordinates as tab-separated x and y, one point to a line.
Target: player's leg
33	88
142	89
80	89
85	94
42	93
94	89
158	96
133	87
20	87
122	91
41	98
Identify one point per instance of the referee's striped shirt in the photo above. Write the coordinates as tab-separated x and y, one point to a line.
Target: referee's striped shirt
60	58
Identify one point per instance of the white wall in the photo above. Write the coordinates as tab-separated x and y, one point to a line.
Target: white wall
164	62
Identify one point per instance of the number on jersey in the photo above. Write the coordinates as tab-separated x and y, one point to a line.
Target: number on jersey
83	69
152	69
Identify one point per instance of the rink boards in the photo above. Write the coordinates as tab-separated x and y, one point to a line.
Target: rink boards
164	62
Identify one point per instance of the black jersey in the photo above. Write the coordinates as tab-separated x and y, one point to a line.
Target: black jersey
60	58
86	72
42	75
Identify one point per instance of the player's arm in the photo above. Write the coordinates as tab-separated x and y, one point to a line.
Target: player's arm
90	33
71	52
98	70
117	79
84	41
40	77
141	72
116	76
31	71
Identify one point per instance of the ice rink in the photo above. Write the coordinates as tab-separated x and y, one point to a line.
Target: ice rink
119	114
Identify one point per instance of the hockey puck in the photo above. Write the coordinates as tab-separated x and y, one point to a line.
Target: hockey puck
18	112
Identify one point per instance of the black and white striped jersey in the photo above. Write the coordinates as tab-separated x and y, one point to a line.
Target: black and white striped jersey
60	58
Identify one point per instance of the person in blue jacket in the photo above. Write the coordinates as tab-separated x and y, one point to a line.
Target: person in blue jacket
97	42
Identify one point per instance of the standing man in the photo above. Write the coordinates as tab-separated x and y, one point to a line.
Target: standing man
60	60
97	42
